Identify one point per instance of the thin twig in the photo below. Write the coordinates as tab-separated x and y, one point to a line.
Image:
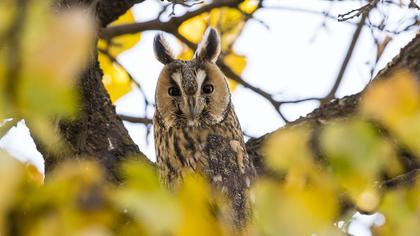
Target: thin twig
332	17
408	178
364	10
300	100
356	35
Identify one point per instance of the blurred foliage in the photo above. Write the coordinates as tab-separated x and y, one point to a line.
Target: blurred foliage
76	199
355	157
38	81
41	56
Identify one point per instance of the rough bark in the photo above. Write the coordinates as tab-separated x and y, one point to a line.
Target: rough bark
408	58
97	133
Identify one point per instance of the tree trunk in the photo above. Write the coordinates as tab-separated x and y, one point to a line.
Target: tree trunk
97	133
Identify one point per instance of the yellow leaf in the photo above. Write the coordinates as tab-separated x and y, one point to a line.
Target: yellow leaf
7	12
195	199
391	99
193	28
358	157
280	210
228	21
237	63
288	148
121	43
34	175
186	54
249	6
401	210
115	79
395	102
11	172
143	197
52	59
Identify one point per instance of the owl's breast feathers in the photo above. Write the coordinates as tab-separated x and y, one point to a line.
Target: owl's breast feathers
217	152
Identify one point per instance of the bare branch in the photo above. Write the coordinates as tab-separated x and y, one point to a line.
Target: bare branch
300	100
185	3
132	119
364	10
405	179
137	84
346	61
168	26
6	125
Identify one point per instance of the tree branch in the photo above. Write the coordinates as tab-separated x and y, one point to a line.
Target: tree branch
408	178
132	119
168	26
409	58
356	35
6	125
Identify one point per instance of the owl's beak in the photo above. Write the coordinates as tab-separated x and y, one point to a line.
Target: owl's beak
192	106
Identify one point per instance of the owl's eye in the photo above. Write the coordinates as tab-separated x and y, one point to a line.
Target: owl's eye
208	88
174	91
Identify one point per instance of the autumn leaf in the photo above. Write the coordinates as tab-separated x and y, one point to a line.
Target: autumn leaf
193	28
281	210
53	50
34	175
52	60
395	102
249	6
121	43
237	63
11	173
358	156
115	79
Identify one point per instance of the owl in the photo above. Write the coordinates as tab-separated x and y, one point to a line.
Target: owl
195	125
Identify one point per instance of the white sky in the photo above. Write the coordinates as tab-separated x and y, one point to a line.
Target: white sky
295	58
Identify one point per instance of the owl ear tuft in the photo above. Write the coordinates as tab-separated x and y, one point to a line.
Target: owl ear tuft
209	47
162	50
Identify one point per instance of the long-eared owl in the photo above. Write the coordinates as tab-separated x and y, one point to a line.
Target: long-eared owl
195	125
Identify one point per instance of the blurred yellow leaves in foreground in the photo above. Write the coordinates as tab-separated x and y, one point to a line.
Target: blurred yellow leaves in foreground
314	176
41	57
116	80
395	103
354	157
316	169
77	200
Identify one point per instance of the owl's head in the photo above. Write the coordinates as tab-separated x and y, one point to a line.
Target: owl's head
195	92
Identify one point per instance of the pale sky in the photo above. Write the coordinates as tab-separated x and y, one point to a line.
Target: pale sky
295	58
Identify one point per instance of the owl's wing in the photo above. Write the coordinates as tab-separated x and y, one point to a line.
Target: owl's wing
230	170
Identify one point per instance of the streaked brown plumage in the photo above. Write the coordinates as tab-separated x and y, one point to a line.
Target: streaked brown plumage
195	125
